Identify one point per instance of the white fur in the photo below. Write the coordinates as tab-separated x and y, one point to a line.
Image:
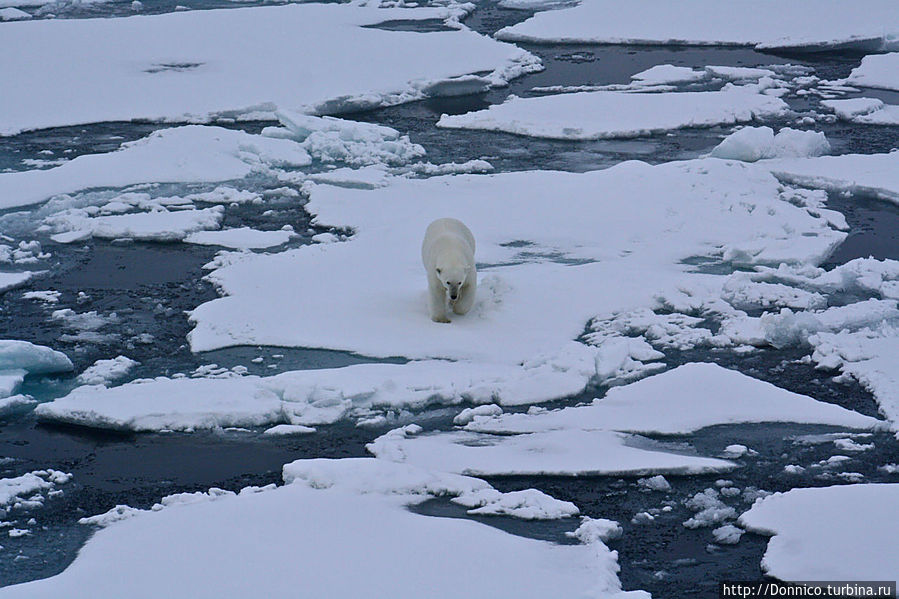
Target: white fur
448	255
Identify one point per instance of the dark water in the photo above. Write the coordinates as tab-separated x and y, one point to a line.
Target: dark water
150	287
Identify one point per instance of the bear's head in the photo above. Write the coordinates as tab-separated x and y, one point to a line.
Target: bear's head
451	273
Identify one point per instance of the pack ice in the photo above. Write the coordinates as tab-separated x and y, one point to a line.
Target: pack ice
330	512
627	218
804	25
197	65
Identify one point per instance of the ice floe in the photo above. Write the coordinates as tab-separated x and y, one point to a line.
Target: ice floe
13	404
559	453
821	534
189	154
330	139
750	144
856	335
30	490
165	225
803	25
211	556
529	271
857	174
26	252
242	238
304	397
369	475
867	111
102	372
11	280
21	358
877	70
13	14
187	66
680	401
612	114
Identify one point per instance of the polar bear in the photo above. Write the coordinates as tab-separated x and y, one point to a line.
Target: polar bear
448	255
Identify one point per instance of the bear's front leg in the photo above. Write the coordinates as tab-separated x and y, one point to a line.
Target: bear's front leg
466	298
437	304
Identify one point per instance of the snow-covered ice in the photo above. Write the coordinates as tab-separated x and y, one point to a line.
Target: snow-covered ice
654	483
12	404
13	14
30	490
859	174
330	139
869	356
49	296
164	225
558	452
822	534
529	271
196	65
727	534
305	531
11	280
708	509
613	114
18	359
189	154
36	359
856	335
304	397
809	25
750	144
103	372
242	238
877	70
866	111
369	475
681	401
